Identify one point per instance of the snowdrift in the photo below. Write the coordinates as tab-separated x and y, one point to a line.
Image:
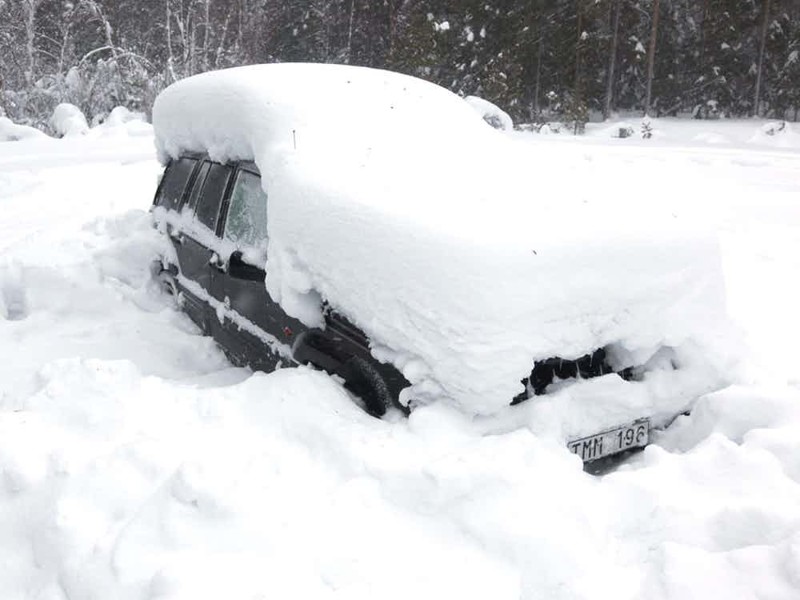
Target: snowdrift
12	132
492	114
390	198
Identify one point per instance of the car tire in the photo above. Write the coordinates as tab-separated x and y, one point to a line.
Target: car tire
166	283
362	379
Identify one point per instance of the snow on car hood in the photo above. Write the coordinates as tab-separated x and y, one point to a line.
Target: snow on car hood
464	257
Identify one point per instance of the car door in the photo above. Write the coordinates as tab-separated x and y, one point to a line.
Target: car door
197	241
255	328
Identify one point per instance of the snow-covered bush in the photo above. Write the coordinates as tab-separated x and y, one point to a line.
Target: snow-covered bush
707	110
11	132
615	129
647	128
68	120
775	128
492	114
543	128
121	121
576	114
778	134
121	115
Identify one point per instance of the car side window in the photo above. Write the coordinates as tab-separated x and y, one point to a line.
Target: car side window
246	224
175	178
208	204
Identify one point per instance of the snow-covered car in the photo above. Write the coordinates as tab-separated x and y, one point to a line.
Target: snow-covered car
372	225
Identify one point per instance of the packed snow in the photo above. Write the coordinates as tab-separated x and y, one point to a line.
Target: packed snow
136	463
462	272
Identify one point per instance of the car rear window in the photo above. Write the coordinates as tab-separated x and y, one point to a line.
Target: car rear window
174	183
210	199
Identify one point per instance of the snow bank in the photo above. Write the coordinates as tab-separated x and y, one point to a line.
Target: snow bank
492	114
391	198
11	132
68	120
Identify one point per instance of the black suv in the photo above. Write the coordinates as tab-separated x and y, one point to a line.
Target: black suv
216	218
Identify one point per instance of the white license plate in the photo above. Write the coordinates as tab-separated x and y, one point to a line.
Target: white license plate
612	441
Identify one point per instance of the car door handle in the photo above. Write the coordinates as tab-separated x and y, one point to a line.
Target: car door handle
219	264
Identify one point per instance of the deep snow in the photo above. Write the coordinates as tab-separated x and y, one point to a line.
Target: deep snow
136	463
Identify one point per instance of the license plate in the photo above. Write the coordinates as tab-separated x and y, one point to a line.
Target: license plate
612	441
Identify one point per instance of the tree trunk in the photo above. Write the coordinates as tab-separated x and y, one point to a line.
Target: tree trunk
206	33
761	50
577	112
30	37
703	25
537	86
612	59
221	41
578	48
350	31
107	32
651	55
170	55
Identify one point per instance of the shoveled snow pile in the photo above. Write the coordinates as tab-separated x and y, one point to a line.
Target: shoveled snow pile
137	464
68	120
491	113
390	198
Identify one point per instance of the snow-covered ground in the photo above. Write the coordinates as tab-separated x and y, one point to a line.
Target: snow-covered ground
135	463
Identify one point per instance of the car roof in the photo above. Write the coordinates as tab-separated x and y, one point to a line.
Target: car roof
251	111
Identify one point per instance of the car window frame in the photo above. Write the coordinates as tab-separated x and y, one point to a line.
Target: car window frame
190	198
223	201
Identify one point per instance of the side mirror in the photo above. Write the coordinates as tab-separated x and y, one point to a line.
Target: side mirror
238	269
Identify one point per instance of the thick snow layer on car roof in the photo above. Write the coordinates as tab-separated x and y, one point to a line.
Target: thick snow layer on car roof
247	111
445	240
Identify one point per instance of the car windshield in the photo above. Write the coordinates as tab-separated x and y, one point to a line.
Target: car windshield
246	225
